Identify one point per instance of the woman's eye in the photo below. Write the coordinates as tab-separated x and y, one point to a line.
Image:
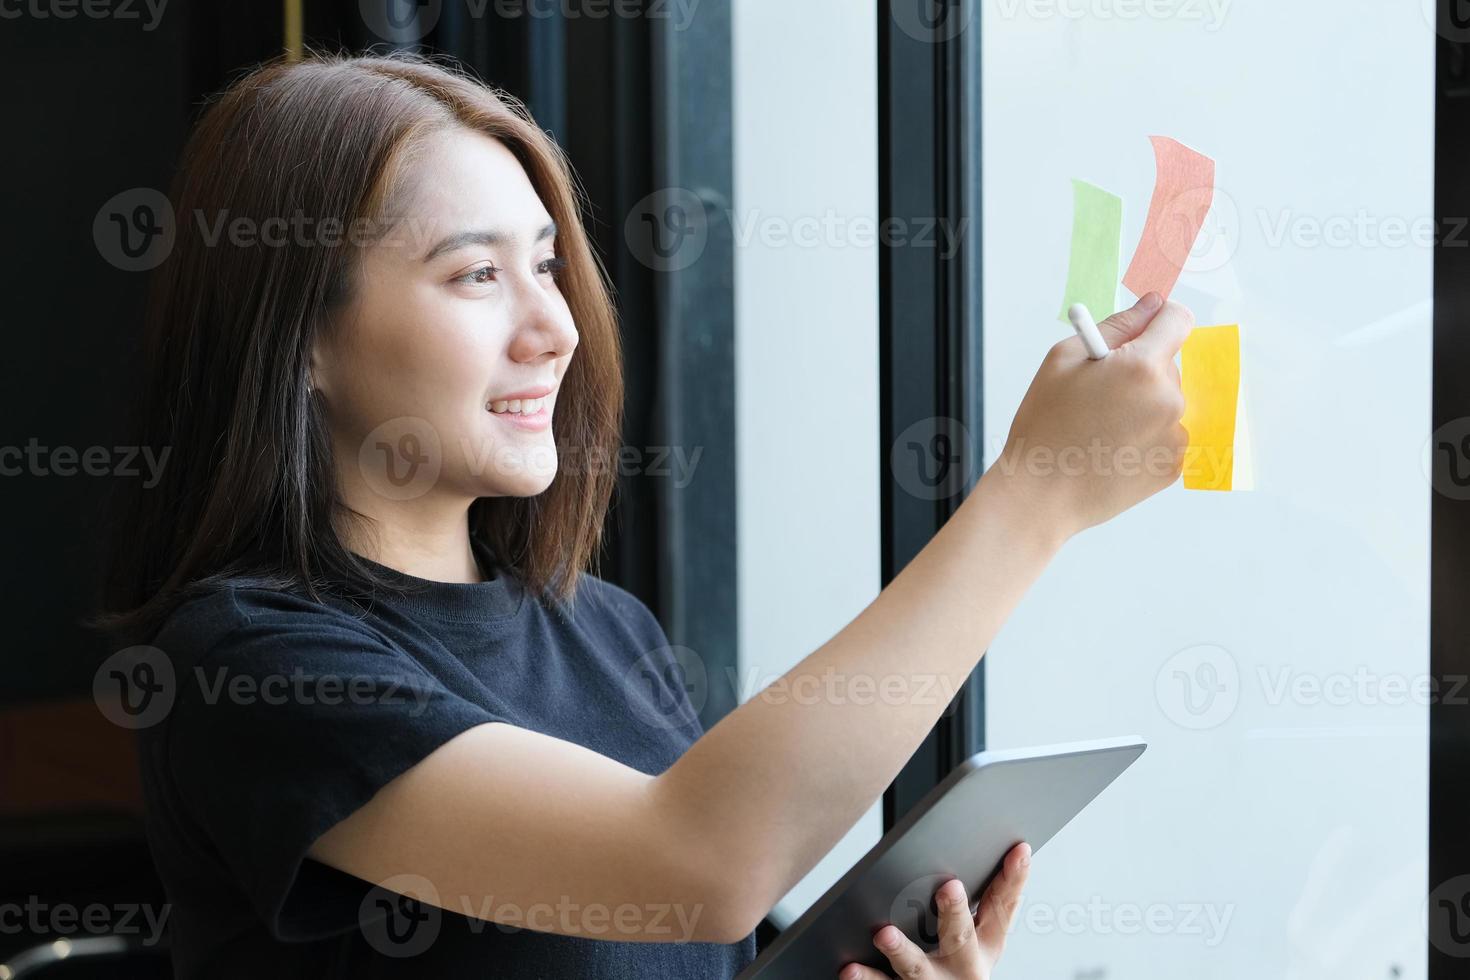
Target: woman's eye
482	276
552	267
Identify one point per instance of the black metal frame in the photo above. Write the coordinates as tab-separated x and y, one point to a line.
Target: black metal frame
929	326
1449	582
694	153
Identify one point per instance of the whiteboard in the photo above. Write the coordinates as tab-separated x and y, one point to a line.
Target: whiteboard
1271	645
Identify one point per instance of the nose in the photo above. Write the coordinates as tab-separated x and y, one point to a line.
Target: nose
544	325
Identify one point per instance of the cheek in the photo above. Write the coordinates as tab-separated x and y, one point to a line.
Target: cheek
439	357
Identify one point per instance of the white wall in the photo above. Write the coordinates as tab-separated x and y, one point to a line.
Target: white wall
806	344
1273	831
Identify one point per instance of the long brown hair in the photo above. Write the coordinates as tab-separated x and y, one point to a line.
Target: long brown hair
248	489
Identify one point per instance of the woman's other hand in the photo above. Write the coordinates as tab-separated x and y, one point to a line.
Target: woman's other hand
968	945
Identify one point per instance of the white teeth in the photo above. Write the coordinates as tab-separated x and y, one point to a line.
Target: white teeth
521	406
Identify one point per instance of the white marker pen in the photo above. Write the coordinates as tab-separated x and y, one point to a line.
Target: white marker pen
1097	348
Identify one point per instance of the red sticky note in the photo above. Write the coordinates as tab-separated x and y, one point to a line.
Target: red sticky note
1183	192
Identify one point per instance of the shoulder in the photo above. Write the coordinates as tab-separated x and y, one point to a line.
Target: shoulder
604	607
657	673
603	594
265	664
252	622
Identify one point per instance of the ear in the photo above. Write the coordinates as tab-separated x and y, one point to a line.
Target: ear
315	367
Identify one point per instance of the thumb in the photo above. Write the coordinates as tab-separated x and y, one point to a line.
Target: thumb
1124	325
1165	333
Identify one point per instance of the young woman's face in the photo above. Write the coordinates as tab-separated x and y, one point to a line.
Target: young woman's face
456	321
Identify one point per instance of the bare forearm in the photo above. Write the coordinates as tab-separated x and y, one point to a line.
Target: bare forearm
777	782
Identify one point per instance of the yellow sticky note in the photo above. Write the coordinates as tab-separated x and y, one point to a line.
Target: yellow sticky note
1209	369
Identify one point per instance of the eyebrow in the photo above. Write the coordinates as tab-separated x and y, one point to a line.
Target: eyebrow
464	239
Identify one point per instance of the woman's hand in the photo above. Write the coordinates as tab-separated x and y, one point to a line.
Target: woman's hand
968	945
1093	438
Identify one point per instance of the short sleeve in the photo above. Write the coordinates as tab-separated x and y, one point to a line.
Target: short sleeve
291	719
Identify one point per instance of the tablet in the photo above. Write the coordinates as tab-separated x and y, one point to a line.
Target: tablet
961	829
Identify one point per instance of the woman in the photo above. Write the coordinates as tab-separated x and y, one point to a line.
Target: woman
410	736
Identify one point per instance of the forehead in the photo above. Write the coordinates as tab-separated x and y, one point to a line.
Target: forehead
462	180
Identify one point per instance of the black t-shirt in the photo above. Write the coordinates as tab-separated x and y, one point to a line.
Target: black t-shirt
289	714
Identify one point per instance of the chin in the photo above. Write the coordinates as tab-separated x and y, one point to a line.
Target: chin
522	474
527	486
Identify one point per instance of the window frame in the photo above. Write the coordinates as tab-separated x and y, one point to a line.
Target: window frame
1449	544
929	317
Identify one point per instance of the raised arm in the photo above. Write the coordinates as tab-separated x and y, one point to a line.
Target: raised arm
501	820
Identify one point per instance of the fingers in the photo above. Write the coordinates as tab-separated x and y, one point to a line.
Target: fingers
962	948
1001	899
1124	325
957	940
906	958
958	951
1165	334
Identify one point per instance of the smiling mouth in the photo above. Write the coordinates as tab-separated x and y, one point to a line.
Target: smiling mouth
517	406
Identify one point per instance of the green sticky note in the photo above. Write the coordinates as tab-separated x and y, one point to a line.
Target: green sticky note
1097	237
